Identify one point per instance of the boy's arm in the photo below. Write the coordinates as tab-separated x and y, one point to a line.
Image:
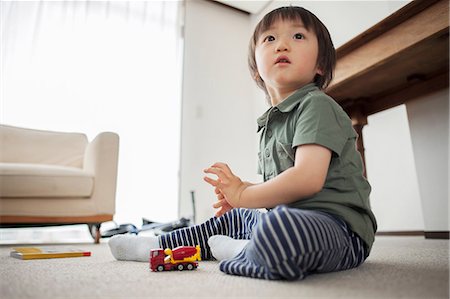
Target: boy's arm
304	179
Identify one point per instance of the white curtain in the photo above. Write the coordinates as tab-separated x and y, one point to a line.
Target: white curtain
92	66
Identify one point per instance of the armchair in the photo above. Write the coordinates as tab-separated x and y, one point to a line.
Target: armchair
56	178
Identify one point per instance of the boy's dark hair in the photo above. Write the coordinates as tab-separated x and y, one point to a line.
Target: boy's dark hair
326	59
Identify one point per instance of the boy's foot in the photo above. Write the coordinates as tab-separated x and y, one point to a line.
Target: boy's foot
132	247
224	247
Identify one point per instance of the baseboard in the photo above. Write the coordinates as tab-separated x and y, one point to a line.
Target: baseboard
437	235
426	234
401	233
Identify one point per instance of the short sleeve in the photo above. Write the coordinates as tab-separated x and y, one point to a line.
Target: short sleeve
322	121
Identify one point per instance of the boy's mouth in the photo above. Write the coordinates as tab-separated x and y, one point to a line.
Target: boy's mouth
282	59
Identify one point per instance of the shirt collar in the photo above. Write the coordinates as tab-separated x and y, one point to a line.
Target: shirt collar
288	104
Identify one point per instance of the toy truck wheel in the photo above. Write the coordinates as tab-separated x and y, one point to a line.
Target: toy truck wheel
190	266
180	267
160	268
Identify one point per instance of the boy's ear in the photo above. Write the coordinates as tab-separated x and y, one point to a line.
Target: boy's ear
319	71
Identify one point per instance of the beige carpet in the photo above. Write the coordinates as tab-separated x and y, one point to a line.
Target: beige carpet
399	267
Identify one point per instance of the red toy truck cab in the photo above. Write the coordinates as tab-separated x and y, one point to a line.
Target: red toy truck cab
180	258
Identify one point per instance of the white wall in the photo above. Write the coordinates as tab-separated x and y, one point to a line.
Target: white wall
429	123
391	170
217	117
344	19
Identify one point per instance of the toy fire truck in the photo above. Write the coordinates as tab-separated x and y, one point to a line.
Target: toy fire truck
179	258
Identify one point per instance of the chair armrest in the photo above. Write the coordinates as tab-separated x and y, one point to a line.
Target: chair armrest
101	160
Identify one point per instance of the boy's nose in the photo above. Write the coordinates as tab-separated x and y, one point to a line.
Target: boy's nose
282	45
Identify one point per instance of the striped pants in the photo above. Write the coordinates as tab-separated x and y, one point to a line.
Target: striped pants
285	243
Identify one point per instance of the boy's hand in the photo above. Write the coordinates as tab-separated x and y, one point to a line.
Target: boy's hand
221	203
229	185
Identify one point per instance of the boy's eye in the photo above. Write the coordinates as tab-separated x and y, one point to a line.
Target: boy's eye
269	38
298	36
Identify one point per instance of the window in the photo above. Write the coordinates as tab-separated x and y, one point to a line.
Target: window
88	66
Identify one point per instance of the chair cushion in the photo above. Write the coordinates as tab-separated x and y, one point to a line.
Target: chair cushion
41	147
42	180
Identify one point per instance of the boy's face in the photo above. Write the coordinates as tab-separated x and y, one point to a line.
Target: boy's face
286	57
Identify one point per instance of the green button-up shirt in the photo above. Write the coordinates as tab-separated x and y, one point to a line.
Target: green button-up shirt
309	116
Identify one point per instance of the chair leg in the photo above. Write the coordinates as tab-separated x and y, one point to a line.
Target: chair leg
94	228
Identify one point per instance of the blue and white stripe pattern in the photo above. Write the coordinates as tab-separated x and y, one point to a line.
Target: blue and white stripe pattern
285	243
237	224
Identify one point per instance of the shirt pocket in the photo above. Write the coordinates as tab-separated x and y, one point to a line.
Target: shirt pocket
286	155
